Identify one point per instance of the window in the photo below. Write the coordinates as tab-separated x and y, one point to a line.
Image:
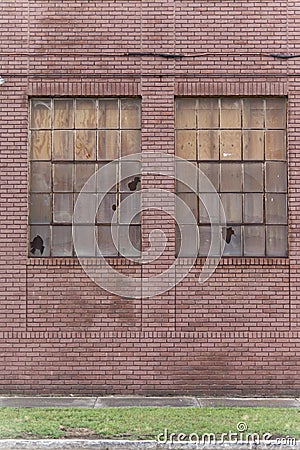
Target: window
70	139
240	145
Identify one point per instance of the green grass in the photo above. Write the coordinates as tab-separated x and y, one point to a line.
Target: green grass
144	423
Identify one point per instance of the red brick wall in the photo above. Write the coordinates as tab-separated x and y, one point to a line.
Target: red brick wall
60	333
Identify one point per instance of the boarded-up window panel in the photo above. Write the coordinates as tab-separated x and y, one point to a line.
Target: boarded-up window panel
253	144
40	208
254	240
275	144
186	144
41	145
62	207
208	144
39	242
41	114
208	113
253	113
275	113
234	247
233	207
63	145
253	177
253	208
188	173
186	113
108	144
85	116
231	177
105	241
40	177
276	177
85	145
231	113
107	177
107	208
83	173
63	114
130	113
209	208
190	202
62	241
276	241
230	145
212	172
276	209
134	234
62	177
130	142
108	114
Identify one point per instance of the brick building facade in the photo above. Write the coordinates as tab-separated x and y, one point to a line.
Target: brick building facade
238	333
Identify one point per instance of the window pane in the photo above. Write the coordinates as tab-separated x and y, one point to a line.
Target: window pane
62	207
208	144
41	113
254	240
107	177
276	177
232	204
134	232
253	113
63	114
105	241
253	208
253	177
82	174
40	145
86	210
276	240
63	145
186	113
275	144
108	144
130	142
276	113
208	113
39	242
85	116
230	144
233	241
188	173
107	208
85	146
253	144
130	113
131	212
209	202
40	177
205	233
231	113
62	242
84	245
62	177
191	202
231	177
132	183
186	144
276	208
212	171
108	114
40	208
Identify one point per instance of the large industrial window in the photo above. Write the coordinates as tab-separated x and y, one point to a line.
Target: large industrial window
70	139
240	145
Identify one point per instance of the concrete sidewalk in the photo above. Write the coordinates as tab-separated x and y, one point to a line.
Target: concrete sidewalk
128	401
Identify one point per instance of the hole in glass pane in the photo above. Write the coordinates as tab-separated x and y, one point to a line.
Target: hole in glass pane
231	113
276	240
230	144
39	242
62	242
253	208
62	177
253	177
132	183
40	177
108	114
40	145
85	146
275	144
232	237
130	113
232	204
62	207
276	208
85	116
108	144
41	113
186	113
63	114
231	177
208	113
208	144
186	144
40	208
253	147
106	209
63	145
276	177
254	240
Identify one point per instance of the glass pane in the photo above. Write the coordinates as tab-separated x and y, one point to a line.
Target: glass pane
62	207
208	113
275	144
189	174
132	183
254	240
86	210
186	144
40	208
82	174
85	116
253	177
130	142
208	144
232	204
63	144
85	146
62	177
106	177
40	177
276	113
107	208
233	241
205	233
84	245
63	114
185	242
105	241
134	232
231	177
130	113
212	171
276	208
231	113
191	202
276	240
108	144
230	144
276	177
39	244
108	114
209	202
253	113
253	208
40	145
41	113
62	242
253	144
186	113
130	212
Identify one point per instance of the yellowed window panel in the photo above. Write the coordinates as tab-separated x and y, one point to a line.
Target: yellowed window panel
275	144
208	113
108	114
275	113
108	144
253	113
63	145
253	144
41	145
253	208
186	113
253	177
186	144
231	113
208	144
130	113
41	114
85	116
230	144
130	142
276	177
85	145
63	114
231	178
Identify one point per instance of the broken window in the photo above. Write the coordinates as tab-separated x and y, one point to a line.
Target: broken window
240	145
70	140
